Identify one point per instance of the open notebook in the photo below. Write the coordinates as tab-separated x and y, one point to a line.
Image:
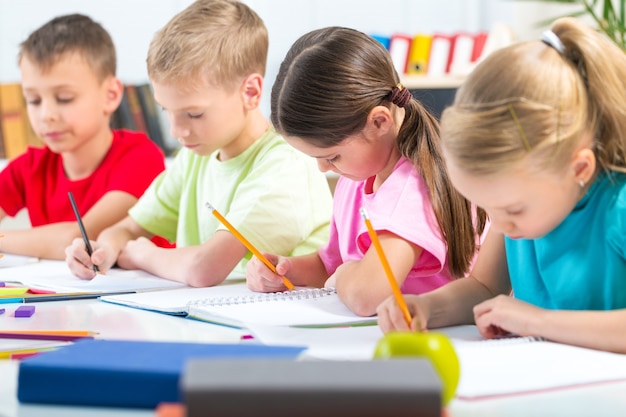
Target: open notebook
55	276
489	368
233	304
523	365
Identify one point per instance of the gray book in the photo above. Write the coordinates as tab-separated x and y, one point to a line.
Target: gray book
281	388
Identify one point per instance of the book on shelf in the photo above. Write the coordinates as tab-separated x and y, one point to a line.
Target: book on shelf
233	304
440	52
13	119
138	111
151	115
124	373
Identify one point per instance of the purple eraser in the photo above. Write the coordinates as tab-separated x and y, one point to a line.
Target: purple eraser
25	311
2	310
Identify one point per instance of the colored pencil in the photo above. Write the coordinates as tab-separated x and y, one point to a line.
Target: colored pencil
248	245
35	298
82	228
61	335
383	259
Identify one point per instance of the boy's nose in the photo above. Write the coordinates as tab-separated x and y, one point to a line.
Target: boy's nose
48	111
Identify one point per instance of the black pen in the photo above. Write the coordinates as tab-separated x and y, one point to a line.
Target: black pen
82	228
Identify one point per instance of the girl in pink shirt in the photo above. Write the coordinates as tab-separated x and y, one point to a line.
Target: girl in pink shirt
338	99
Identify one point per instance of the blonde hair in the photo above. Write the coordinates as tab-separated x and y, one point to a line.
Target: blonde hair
212	41
531	100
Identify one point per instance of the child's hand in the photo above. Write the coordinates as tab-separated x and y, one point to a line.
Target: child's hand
81	264
261	279
136	254
503	315
391	318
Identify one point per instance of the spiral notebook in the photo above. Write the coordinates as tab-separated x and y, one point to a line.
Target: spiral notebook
233	304
519	365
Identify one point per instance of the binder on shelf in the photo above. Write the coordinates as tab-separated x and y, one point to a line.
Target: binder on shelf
440	50
384	40
399	47
461	54
419	53
479	44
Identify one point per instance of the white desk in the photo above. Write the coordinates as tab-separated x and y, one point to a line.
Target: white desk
117	322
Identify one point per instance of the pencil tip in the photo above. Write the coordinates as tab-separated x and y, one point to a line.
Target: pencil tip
209	206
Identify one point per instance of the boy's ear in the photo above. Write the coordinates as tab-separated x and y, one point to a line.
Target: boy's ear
251	90
114	90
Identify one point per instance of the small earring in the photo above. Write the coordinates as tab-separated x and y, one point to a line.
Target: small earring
581	183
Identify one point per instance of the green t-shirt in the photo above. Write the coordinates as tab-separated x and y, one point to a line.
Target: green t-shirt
272	193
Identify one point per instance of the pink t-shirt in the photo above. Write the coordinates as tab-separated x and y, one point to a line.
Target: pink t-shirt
401	206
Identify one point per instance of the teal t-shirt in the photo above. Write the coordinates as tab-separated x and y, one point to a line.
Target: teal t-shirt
581	264
271	193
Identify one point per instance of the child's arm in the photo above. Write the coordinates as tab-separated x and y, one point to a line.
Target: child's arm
604	330
198	266
453	303
49	241
362	285
307	271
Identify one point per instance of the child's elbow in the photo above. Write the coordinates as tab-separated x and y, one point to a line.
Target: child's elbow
199	277
361	306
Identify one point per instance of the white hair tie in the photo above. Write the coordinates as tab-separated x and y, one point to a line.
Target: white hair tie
551	39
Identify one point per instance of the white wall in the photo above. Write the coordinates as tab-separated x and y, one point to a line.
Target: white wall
133	22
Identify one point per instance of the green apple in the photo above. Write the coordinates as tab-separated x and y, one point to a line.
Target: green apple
433	346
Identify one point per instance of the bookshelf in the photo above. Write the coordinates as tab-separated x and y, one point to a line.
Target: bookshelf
435	93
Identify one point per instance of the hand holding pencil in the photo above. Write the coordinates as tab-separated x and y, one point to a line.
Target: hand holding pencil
247	244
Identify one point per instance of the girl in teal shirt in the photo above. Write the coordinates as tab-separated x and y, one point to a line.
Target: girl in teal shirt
537	137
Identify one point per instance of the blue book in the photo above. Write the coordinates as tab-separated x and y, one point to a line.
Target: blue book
116	373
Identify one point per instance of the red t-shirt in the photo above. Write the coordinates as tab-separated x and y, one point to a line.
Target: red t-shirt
36	180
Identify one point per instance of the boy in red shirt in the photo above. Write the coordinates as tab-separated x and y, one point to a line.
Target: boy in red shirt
68	70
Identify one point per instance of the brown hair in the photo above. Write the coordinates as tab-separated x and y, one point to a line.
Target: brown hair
326	86
214	41
71	33
531	100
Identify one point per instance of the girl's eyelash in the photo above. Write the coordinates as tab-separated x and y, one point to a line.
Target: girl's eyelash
333	159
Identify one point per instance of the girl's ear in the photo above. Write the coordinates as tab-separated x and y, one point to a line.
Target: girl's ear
379	120
114	91
584	165
251	89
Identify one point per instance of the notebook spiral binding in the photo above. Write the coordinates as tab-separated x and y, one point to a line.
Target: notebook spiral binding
302	294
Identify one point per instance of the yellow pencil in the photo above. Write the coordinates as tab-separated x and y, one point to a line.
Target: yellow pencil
247	244
383	259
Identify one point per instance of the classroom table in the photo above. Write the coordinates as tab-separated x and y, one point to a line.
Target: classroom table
118	322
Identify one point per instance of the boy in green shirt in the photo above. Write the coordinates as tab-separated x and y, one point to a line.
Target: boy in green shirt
206	67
